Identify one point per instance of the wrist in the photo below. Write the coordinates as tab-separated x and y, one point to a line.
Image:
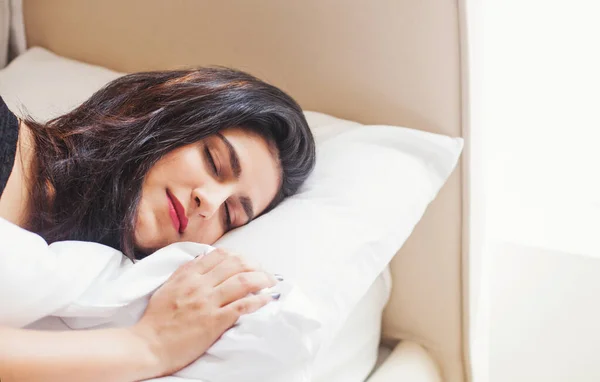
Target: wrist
146	348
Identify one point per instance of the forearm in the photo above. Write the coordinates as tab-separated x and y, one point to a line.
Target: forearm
93	355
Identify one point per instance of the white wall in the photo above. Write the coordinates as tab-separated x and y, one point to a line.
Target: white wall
545	316
542	183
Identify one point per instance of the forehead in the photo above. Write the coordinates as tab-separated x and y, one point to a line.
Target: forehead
260	177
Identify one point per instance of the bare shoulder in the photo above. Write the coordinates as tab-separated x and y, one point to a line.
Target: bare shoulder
15	197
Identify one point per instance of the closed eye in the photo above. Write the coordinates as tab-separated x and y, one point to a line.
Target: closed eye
213	166
227	220
211	160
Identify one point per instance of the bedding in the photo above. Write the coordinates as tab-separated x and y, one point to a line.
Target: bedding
370	187
88	285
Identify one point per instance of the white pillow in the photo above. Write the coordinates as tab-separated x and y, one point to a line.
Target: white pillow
47	85
370	187
354	351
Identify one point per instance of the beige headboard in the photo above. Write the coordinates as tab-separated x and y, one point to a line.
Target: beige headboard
377	62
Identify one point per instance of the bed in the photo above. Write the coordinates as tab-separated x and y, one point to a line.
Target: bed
396	62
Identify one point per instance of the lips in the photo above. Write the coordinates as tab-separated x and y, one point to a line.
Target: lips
177	213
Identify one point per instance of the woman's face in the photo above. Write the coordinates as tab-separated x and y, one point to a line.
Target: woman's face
202	190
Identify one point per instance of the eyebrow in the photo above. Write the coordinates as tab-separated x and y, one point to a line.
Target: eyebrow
233	157
247	206
245	201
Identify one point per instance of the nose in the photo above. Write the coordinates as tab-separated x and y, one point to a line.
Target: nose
209	199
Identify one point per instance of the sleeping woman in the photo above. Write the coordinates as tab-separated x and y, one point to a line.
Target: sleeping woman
152	159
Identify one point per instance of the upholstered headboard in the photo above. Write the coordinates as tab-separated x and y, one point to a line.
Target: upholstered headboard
377	62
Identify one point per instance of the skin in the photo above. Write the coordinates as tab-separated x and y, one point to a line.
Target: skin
14	199
206	192
197	304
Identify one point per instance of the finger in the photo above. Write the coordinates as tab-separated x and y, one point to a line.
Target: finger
246	305
181	271
204	264
200	264
229	267
241	285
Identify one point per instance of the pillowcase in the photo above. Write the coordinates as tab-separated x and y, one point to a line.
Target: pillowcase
36	82
369	189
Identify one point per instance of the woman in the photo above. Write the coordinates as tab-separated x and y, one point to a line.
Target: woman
149	160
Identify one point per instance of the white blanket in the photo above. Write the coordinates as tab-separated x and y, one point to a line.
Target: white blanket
77	285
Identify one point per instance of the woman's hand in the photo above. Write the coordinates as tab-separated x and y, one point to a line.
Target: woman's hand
197	304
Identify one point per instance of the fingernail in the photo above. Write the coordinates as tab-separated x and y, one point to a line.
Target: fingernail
278	277
275	296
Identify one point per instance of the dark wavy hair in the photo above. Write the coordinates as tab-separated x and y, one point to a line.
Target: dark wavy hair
90	164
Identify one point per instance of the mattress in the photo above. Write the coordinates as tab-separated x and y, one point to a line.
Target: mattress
354	351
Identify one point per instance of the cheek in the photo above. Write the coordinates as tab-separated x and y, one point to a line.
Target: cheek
148	213
182	169
177	169
145	224
204	231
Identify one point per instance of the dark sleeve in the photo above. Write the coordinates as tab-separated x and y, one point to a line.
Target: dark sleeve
9	133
